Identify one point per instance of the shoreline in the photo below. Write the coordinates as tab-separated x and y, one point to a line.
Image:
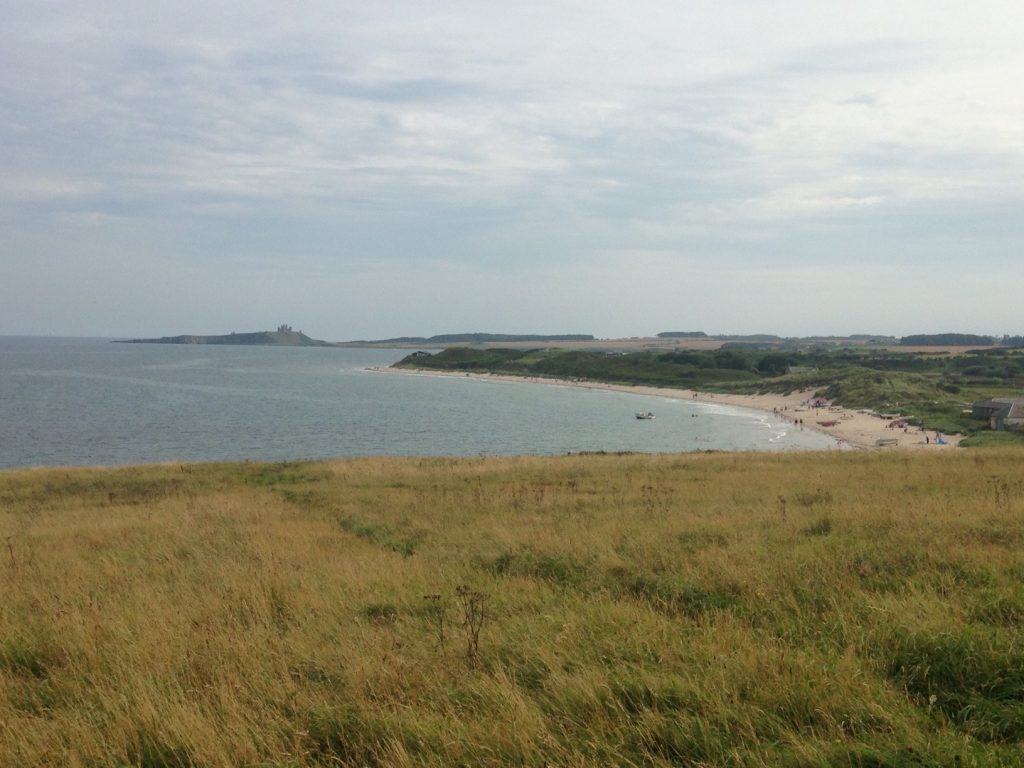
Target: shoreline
856	429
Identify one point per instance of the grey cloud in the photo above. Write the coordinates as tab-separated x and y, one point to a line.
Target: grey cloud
861	59
362	143
426	90
863	99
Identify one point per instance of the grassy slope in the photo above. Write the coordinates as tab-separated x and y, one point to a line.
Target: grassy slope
804	610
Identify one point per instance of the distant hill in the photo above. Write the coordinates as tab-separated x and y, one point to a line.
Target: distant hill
282	337
731	337
471	338
947	340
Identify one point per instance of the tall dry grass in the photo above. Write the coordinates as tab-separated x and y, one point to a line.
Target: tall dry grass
814	609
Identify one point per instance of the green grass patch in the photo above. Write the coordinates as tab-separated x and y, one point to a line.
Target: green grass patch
973	676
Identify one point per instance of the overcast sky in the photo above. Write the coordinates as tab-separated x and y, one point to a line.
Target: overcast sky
365	170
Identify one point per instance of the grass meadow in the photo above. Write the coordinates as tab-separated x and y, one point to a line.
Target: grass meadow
826	609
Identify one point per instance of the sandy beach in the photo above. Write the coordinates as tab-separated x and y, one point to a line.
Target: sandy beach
856	429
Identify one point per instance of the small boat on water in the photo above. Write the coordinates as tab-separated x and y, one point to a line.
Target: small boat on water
644	415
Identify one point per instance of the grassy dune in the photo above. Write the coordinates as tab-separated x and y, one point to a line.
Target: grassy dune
748	610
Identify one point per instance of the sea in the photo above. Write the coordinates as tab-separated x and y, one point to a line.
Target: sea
88	402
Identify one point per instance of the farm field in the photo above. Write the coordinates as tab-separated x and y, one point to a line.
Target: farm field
822	609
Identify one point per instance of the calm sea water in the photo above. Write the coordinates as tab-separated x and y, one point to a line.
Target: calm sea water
91	402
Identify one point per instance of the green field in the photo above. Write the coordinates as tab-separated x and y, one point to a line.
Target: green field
704	610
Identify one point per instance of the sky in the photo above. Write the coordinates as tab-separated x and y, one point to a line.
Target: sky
369	170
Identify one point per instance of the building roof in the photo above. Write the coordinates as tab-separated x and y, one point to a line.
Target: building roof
997	402
1013	412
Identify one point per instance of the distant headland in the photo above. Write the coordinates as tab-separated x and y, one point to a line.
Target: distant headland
284	336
